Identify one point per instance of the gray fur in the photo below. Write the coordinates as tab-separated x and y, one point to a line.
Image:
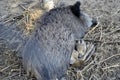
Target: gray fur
50	47
47	52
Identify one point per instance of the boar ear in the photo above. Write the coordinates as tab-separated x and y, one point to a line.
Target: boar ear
76	9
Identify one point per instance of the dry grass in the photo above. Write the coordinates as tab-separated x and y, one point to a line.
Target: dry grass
30	16
105	65
10	64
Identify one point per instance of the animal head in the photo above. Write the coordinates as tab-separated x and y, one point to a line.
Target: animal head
85	20
83	16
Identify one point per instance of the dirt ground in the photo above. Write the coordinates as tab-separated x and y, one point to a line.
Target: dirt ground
105	65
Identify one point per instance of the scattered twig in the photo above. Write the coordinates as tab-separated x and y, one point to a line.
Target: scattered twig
97	41
6	67
4	16
92	77
113	66
87	67
91	30
113	31
14	18
101	34
109	58
79	74
23	7
8	77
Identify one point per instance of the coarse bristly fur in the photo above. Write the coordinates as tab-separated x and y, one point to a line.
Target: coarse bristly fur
46	54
